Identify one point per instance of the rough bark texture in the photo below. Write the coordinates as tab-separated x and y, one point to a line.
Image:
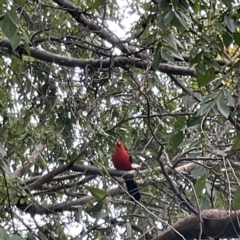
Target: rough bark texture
212	223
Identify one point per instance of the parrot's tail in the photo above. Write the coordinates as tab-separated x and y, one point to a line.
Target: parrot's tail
132	188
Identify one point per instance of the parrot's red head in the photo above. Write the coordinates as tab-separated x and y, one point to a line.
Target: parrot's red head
120	144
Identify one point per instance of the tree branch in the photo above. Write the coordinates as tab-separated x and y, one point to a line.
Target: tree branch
63	168
216	224
115	61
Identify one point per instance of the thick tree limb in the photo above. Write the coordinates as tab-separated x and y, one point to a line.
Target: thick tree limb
87	170
215	223
35	208
90	170
117	61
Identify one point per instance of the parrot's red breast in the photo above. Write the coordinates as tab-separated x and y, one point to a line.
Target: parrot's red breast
122	161
121	158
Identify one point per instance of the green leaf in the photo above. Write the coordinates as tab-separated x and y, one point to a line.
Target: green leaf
183	144
230	23
26	43
96	192
173	41
168	18
205	37
15	41
163	4
218	43
236	37
168	57
175	53
21	2
160	22
227	39
3	96
220	26
236	143
180	123
187	101
97	4
157	58
196	6
16	237
205	108
12	14
3	234
229	97
215	109
184	5
236	199
195	120
197	58
209	75
204	79
198	172
177	139
96	210
228	3
200	68
179	23
210	97
175	3
223	108
211	62
8	27
205	203
199	185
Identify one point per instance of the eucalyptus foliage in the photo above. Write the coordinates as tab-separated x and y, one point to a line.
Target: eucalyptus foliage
163	76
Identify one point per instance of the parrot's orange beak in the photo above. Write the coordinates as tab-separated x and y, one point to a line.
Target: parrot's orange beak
119	143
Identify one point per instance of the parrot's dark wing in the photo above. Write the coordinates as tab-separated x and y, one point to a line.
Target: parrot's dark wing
133	189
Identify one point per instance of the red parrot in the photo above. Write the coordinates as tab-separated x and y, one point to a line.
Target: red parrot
122	161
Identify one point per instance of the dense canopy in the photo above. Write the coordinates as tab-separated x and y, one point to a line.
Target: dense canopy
162	76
